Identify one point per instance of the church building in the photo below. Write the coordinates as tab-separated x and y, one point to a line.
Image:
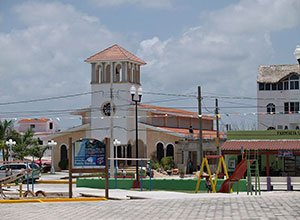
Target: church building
115	84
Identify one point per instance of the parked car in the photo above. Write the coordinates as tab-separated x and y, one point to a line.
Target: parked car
14	168
44	164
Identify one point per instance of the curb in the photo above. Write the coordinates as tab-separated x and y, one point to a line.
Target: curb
42	200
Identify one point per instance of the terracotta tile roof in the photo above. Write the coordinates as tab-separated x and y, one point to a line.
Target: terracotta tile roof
184	131
262	145
173	111
115	53
274	73
33	120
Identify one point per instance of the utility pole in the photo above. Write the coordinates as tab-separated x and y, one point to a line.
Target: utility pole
200	124
217	125
111	112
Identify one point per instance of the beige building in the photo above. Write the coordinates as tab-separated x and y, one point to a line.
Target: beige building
162	131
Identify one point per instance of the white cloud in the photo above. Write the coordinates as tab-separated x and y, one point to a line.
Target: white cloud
250	16
154	4
46	57
222	54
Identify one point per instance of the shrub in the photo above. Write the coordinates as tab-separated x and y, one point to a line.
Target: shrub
167	163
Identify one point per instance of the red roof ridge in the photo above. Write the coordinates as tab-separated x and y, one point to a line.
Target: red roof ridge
123	54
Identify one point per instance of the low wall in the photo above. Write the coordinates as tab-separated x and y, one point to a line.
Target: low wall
157	184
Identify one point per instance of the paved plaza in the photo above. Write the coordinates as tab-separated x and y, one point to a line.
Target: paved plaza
165	205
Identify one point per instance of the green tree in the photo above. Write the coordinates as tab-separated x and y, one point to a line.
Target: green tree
23	143
6	128
37	151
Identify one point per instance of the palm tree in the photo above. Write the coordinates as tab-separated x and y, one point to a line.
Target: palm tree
23	143
6	128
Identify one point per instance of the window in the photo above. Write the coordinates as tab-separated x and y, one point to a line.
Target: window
280	86
274	86
261	86
286	127
32	126
286	108
291	107
294	82
286	85
279	127
271	108
51	125
268	86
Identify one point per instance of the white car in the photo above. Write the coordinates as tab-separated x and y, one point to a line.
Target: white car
15	168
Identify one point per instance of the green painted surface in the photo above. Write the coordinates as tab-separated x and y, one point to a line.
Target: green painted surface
157	184
263	135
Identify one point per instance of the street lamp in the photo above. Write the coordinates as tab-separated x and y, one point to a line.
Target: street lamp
297	53
134	92
116	143
10	143
52	144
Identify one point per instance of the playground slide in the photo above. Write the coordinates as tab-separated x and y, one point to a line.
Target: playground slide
236	176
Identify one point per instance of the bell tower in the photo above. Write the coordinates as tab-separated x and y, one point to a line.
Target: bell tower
113	72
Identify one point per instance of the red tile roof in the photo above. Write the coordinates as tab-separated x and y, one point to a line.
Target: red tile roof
261	145
184	131
173	111
115	53
33	120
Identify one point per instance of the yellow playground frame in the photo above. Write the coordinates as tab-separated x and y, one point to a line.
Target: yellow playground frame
221	162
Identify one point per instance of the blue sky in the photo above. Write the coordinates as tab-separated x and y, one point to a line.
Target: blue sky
216	44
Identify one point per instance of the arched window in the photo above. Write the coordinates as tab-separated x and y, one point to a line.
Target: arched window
286	128
170	150
297	127
159	151
63	152
271	108
294	82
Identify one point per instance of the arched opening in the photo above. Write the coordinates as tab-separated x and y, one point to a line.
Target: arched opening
271	128
118	73
129	154
159	151
63	163
297	127
107	74
129	74
170	151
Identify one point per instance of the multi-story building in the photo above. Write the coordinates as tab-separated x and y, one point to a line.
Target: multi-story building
278	97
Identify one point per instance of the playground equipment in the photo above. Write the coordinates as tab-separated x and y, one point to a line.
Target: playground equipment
205	163
252	160
241	168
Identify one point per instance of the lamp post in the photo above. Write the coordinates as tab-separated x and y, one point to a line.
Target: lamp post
116	143
10	143
52	144
297	53
138	92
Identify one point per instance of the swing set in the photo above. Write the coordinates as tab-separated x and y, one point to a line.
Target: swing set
221	163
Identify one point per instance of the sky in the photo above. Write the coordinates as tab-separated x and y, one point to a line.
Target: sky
217	45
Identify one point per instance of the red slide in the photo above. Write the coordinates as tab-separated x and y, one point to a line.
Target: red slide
236	176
